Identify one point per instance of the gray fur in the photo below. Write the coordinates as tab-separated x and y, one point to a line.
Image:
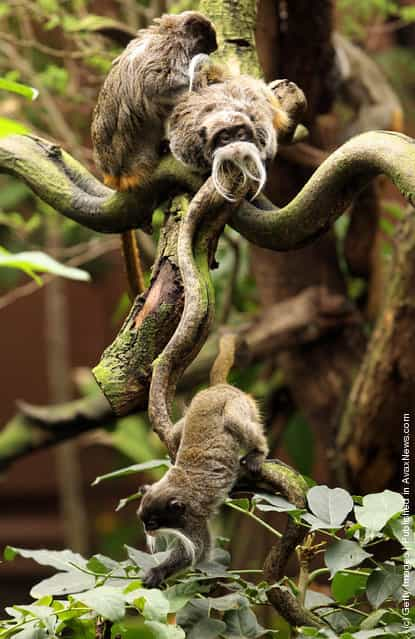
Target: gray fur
142	88
219	422
243	109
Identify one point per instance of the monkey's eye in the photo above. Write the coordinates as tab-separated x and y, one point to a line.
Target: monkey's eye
242	134
176	506
224	137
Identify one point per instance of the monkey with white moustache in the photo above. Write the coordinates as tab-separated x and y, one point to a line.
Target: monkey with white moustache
234	124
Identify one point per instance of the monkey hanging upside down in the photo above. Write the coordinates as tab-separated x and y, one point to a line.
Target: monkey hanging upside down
218	423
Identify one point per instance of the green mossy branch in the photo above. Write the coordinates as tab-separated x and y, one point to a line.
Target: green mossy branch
329	191
37	427
58	179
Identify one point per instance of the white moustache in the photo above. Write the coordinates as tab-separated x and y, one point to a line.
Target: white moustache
188	545
246	158
197	60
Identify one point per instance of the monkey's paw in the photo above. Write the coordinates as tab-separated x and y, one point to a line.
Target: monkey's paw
153	578
253	461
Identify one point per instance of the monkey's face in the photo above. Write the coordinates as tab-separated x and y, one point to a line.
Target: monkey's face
233	150
161	510
198	32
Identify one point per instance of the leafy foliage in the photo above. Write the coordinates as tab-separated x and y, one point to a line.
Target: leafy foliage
32	262
210	600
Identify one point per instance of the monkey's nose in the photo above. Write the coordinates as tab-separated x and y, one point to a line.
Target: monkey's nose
151	524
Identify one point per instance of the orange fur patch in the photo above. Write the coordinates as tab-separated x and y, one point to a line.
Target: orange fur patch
280	119
113	181
398	123
126	182
129	182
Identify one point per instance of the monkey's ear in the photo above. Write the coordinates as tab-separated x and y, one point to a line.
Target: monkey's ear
198	26
177	506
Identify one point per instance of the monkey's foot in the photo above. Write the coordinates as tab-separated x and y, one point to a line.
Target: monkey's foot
253	461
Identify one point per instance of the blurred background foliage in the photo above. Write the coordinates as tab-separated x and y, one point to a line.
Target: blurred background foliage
63	49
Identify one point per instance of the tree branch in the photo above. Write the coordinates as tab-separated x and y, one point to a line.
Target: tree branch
62	182
368	437
329	191
277	477
304	318
37	427
301	319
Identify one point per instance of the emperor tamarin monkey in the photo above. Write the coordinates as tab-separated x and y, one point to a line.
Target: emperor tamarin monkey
234	123
139	93
218	423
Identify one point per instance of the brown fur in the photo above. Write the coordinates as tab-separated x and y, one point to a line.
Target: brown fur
218	423
199	116
139	93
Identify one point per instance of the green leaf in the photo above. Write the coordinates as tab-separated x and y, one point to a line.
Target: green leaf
206	629
347	586
36	261
91	23
241	623
242	503
11	127
278	504
155	603
165	631
403	531
64	583
180	594
331	505
131	470
317	523
31	631
21	89
144	560
228	602
315	599
383	583
373	619
106	601
344	554
197	623
377	510
59	559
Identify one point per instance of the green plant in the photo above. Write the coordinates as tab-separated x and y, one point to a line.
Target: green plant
368	597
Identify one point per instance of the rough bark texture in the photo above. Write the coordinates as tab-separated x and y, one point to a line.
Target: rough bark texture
62	182
384	388
124	372
320	374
